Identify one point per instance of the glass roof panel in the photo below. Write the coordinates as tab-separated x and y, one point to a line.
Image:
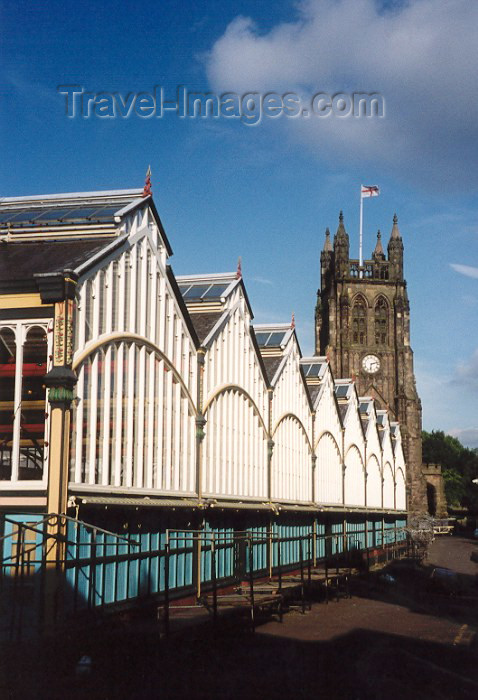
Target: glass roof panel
314	370
305	369
276	339
53	214
215	291
262	338
196	291
82	213
342	391
107	212
24	216
8	215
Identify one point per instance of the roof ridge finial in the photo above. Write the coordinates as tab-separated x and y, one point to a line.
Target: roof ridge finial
147	192
341	216
292	321
239	269
327	244
395	219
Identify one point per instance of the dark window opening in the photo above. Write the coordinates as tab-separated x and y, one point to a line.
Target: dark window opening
359	322
381	322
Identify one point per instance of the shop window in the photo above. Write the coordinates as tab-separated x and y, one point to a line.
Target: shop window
8	354
32	413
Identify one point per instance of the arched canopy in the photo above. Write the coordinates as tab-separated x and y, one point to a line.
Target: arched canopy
328	470
354	478
388	487
374	483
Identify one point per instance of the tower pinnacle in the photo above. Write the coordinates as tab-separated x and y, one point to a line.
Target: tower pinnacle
395	251
378	251
395	230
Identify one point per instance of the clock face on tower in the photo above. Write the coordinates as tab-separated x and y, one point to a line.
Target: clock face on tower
371	364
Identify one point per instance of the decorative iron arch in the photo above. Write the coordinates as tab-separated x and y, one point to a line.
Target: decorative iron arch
120	336
353	446
400	471
297	420
235	387
322	434
387	464
373	456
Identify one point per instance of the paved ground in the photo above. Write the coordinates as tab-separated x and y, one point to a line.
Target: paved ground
454	553
410	638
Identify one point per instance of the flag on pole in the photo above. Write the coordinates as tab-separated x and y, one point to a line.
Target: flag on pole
365	191
369	191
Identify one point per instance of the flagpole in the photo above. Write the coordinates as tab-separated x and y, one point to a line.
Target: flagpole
360	235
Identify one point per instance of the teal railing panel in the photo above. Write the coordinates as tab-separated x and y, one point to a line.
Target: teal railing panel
320	550
224	544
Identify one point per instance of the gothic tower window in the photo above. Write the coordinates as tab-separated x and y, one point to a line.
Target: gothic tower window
359	321
381	322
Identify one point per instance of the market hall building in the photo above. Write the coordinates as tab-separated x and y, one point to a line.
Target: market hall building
139	403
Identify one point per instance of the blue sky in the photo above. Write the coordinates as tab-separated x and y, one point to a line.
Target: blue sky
267	192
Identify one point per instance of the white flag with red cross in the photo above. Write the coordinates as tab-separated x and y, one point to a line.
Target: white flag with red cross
370	191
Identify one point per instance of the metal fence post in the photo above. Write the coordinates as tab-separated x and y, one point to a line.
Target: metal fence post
213	576
301	558
166	585
279	563
251	583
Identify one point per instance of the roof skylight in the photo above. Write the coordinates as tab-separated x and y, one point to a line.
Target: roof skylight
201	291
270	339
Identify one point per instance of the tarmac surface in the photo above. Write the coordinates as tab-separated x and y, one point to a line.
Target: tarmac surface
407	634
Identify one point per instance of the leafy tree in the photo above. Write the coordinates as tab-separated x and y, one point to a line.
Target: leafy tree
459	465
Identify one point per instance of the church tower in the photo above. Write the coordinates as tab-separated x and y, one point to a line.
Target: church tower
362	323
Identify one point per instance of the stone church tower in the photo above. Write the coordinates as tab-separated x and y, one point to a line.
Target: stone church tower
362	323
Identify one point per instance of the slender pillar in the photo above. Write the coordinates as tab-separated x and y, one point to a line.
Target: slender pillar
200	421
58	288
270	445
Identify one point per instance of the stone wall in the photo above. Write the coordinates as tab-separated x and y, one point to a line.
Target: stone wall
435	490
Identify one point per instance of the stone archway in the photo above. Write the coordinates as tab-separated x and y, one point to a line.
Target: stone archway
431	499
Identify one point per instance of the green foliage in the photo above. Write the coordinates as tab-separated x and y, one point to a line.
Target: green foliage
459	465
454	487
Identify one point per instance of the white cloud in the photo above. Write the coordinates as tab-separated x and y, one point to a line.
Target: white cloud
413	54
467	436
29	89
467	372
262	280
465	270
